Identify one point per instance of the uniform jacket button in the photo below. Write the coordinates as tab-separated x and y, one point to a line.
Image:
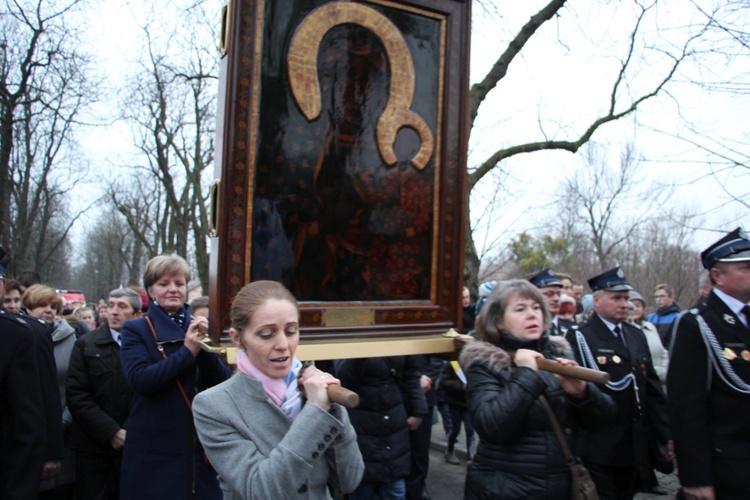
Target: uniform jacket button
327	437
321	446
334	430
315	454
302	489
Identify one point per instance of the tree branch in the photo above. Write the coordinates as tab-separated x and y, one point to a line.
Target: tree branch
480	90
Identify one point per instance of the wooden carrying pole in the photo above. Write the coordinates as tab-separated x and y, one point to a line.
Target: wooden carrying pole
343	396
578	372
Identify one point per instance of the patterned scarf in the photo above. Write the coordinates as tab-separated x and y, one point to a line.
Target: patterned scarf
284	392
178	317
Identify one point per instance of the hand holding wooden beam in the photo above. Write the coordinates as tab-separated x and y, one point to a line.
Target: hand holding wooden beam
578	372
343	396
336	393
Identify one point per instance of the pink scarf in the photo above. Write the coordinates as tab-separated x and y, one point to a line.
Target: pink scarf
282	391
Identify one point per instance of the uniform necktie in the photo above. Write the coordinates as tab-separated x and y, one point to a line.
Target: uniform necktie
619	335
746	312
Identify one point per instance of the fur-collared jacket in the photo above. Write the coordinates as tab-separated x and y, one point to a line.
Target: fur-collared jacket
519	455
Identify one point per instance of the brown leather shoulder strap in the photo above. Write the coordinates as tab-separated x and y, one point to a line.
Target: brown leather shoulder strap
164	355
557	429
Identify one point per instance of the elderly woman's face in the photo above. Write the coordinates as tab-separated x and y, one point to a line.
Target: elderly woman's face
44	312
523	318
169	291
271	338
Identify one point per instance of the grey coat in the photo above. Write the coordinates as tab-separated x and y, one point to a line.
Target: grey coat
63	339
259	453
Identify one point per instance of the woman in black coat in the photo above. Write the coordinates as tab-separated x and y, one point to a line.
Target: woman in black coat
519	455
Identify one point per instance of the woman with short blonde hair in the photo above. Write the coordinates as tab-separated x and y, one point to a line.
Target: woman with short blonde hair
37	296
44	303
165	366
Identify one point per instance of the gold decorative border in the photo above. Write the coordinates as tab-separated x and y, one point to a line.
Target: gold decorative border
414	10
253	138
438	165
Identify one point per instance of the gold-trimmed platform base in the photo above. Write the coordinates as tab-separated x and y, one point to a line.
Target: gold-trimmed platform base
317	350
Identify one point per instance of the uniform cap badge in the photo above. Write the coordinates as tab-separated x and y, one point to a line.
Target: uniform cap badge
729	354
729	319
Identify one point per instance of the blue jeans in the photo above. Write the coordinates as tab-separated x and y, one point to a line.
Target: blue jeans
386	491
461	414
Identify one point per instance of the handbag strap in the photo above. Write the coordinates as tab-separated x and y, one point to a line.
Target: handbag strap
161	350
556	427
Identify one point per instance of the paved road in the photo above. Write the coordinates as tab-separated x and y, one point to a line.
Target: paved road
446	481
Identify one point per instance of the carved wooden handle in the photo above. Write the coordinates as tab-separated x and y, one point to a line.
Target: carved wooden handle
578	372
342	396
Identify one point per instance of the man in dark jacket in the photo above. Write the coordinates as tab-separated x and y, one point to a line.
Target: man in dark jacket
429	367
607	343
99	400
46	374
709	378
22	418
383	419
666	314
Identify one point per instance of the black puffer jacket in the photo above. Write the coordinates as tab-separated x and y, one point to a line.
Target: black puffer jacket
519	455
380	418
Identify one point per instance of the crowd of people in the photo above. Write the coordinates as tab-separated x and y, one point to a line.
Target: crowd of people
122	402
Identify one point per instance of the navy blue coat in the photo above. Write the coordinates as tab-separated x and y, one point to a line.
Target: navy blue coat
163	457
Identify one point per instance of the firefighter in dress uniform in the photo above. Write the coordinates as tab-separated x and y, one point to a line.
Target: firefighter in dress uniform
551	287
709	379
607	343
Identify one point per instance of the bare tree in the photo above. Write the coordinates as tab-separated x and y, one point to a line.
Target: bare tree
110	254
43	89
141	204
608	203
172	111
661	251
627	93
611	217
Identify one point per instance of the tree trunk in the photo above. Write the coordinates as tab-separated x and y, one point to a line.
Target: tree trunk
471	259
6	145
